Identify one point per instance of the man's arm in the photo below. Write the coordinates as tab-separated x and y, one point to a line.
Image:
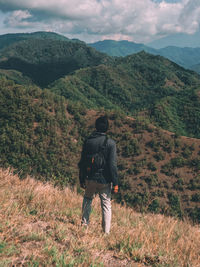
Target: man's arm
113	163
82	174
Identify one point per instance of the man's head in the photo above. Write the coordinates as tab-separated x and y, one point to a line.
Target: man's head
102	124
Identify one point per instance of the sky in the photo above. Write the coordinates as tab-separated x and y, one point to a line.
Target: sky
140	21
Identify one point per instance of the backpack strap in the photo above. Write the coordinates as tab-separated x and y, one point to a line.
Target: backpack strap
103	147
105	141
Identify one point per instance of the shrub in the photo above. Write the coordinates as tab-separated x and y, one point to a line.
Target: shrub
166	184
134	170
186	152
177	162
178	185
194	214
194	184
175	207
195	163
159	156
122	165
131	148
158	193
154	206
139	200
154	145
177	143
151	180
167	145
151	166
195	197
167	169
139	126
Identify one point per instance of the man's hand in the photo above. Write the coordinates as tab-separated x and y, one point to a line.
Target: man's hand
116	189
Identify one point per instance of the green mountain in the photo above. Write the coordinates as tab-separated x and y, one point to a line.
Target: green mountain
8	39
185	57
45	60
163	92
160	90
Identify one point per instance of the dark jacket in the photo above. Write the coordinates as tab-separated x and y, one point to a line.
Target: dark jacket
91	146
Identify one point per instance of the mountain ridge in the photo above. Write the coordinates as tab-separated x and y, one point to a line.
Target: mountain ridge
45	61
10	38
139	83
186	57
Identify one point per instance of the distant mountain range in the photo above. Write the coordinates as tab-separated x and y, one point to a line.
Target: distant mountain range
186	57
179	39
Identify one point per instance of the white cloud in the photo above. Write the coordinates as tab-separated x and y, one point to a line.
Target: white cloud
136	20
190	16
18	18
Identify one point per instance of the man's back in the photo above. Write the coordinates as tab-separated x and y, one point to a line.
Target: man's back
92	145
100	184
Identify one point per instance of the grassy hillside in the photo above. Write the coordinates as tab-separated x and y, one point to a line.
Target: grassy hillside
40	226
41	134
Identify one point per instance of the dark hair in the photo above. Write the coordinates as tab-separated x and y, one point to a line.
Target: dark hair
102	124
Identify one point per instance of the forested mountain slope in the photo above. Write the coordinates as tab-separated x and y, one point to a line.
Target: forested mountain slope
45	60
42	133
11	38
165	93
162	91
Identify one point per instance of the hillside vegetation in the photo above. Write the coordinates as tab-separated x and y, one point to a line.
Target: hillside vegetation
37	134
11	38
167	94
41	134
45	60
164	92
40	226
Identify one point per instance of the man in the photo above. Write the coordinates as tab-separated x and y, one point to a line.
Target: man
99	181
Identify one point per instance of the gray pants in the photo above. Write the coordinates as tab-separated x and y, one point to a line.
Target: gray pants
104	191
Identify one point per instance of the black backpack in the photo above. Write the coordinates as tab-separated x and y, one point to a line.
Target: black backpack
95	164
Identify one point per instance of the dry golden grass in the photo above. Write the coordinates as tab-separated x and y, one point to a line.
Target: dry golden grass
40	226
